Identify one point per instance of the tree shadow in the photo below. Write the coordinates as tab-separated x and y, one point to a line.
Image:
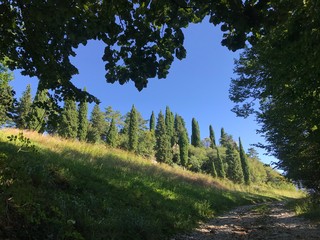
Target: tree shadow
106	197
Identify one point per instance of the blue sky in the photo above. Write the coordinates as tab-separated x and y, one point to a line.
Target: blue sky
197	86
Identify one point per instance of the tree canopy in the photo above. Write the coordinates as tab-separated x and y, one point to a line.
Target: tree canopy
278	80
39	37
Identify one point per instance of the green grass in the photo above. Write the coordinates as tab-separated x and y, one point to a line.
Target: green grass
308	207
73	190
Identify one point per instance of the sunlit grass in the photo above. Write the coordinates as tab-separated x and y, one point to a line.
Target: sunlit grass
75	190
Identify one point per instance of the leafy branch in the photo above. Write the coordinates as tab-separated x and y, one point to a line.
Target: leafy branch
24	143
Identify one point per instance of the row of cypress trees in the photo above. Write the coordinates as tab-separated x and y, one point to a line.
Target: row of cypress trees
166	139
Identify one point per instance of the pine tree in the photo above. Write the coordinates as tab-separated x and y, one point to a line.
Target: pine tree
24	109
112	135
195	136
83	120
133	131
97	125
244	164
212	137
163	146
152	122
220	166
169	120
182	139
234	172
68	127
39	114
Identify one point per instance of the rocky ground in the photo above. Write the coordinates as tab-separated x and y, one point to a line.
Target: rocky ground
263	221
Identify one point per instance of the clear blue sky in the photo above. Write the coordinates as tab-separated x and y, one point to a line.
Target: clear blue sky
197	86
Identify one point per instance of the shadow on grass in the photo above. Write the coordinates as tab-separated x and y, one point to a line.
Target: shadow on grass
72	195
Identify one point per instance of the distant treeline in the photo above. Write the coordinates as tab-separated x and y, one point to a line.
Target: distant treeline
163	138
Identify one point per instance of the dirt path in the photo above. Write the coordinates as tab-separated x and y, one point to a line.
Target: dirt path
263	221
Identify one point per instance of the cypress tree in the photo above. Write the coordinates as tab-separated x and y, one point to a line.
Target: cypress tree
182	139
83	120
69	119
184	146
213	168
133	134
195	136
152	123
234	172
177	126
24	109
212	137
223	138
163	146
39	114
220	166
112	135
169	120
96	126
244	164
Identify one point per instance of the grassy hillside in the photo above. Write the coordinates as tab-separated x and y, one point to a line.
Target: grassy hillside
73	190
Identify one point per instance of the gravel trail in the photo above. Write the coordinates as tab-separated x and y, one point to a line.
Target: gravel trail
262	221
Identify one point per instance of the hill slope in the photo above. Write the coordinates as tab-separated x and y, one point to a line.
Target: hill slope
73	190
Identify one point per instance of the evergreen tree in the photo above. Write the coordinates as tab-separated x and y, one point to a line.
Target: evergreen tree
184	146
152	122
163	146
195	136
244	164
141	122
252	153
213	168
234	172
112	135
53	116
124	132
112	115
182	139
39	114
147	142
69	123
24	109
169	120
133	131
179	124
97	125
212	137
223	138
6	95
83	120
207	160
220	166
